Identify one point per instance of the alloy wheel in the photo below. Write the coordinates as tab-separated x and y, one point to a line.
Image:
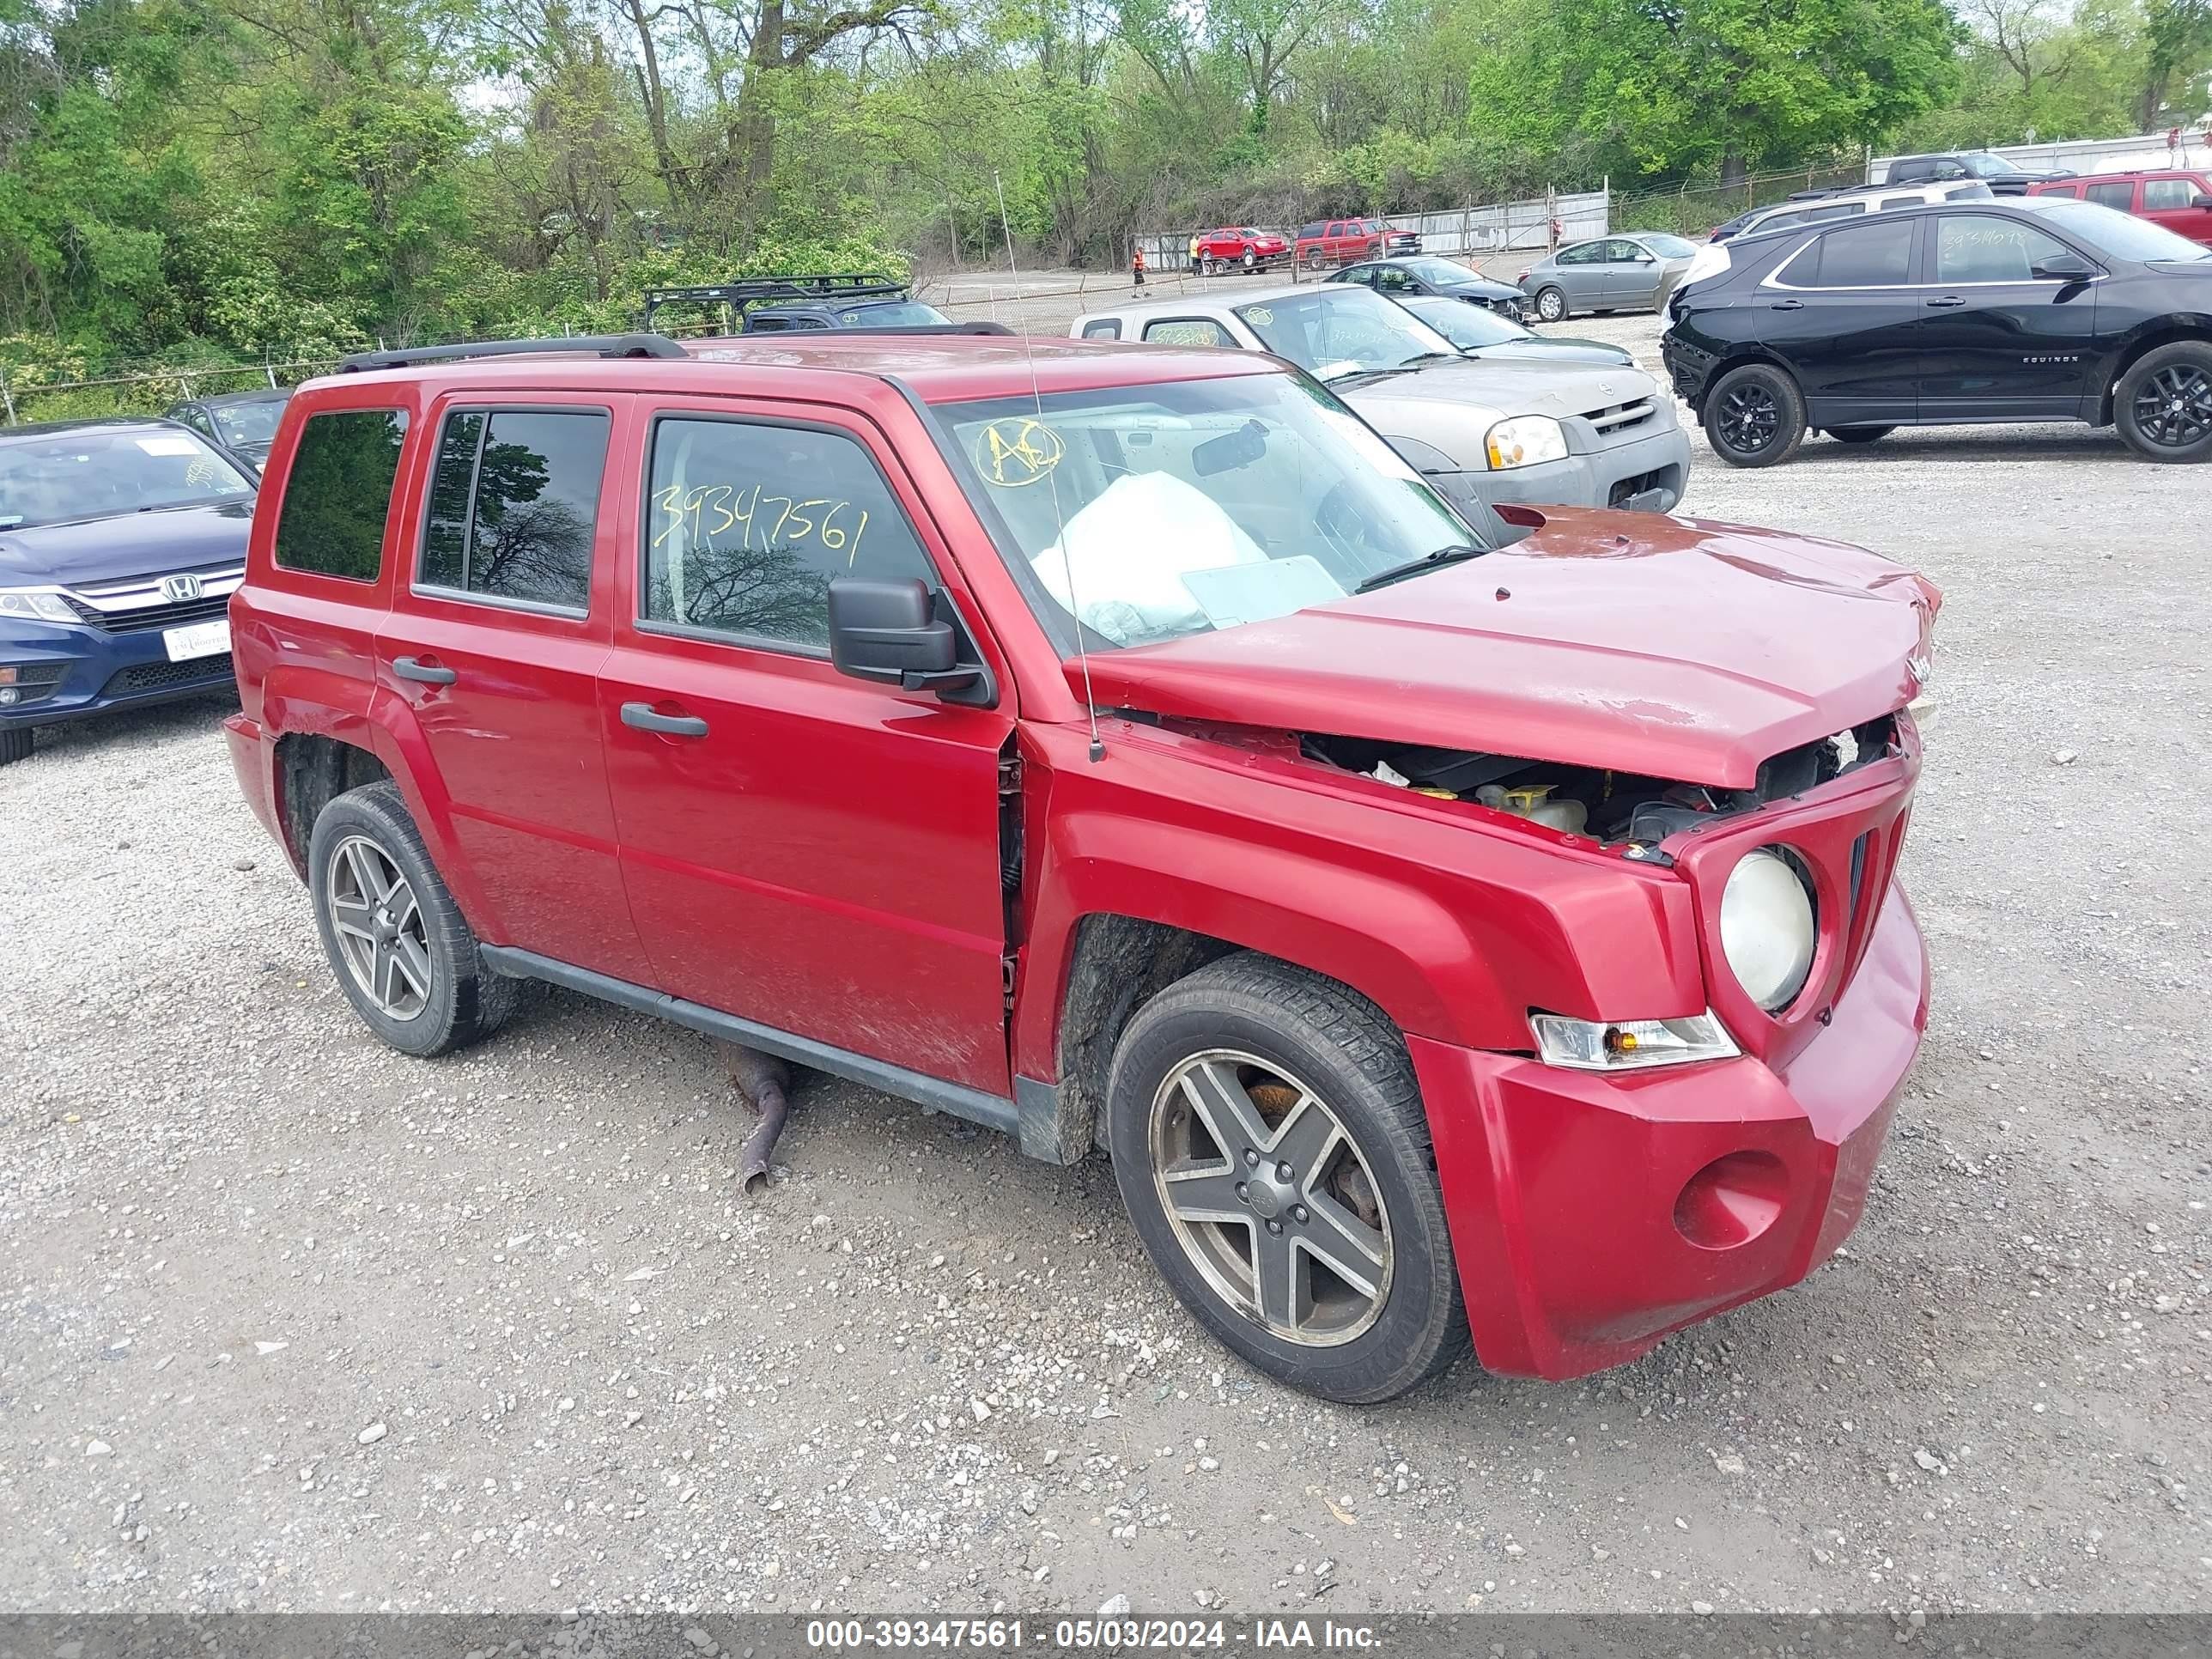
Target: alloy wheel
1748	418
1269	1198
1551	305
379	927
2173	407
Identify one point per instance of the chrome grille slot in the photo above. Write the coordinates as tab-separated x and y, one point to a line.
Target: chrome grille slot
1618	417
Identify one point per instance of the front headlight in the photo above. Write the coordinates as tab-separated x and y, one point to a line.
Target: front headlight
1525	440
1620	1045
42	604
1767	926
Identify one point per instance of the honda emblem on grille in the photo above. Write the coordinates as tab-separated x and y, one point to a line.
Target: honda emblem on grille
180	590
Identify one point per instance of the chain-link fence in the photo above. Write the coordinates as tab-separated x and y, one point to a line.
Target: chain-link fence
1692	210
25	397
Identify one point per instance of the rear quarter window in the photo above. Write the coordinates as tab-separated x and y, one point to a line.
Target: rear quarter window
338	493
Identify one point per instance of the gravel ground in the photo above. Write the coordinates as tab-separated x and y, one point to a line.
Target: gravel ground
292	1321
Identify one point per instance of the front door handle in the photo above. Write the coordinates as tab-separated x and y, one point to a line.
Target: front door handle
1787	305
643	717
1949	302
422	674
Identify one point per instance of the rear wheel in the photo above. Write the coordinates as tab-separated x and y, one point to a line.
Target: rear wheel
2163	404
14	745
1551	305
1269	1142
397	942
1858	434
1755	417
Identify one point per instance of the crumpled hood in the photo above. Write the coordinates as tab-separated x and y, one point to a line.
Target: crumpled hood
1675	648
1494	388
151	544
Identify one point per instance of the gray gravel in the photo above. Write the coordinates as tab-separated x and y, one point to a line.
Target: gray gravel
288	1320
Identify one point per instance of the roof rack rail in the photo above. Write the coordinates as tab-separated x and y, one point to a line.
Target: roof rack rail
744	291
976	327
599	345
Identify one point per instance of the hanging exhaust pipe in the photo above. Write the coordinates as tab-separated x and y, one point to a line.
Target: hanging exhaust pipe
765	1081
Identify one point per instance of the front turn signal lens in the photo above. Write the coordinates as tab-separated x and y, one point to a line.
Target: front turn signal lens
1621	1045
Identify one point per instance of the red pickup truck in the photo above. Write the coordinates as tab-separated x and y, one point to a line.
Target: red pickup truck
1123	748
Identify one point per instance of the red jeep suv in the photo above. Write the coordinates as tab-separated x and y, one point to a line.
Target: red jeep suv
1124	748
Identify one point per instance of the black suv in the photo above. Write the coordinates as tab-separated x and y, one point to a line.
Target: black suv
2003	177
774	305
1957	312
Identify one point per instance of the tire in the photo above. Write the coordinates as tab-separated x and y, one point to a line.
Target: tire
1250	1022
1315	260
14	745
1551	305
2163	404
450	997
1858	434
1250	262
1754	416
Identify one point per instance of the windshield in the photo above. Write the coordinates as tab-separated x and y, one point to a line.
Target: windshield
248	426
97	473
1442	272
2120	234
1667	247
1338	330
1191	506
1465	325
892	313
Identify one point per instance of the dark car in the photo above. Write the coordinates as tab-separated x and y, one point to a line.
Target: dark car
784	304
1397	278
243	423
120	542
2039	309
2003	177
1493	335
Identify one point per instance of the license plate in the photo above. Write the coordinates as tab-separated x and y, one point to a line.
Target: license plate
207	638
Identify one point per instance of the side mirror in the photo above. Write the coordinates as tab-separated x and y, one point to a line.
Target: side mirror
891	633
2065	267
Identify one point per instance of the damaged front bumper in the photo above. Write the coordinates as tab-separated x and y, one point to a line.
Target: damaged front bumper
1593	1213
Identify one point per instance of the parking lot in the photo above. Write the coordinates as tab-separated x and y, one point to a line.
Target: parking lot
293	1321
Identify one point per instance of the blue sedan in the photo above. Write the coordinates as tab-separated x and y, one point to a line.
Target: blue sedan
120	543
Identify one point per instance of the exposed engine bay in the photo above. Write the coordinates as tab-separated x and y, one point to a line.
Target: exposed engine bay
1615	808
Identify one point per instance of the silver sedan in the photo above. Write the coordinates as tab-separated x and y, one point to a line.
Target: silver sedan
1635	271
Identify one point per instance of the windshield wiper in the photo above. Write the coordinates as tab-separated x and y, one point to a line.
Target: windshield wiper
1452	553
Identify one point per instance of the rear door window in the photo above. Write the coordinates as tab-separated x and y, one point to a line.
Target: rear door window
2121	195
338	493
1875	254
514	503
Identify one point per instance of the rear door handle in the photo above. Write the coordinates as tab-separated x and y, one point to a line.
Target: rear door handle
424	673
1949	302
642	715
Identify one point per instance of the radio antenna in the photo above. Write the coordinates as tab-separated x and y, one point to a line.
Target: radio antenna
1052	481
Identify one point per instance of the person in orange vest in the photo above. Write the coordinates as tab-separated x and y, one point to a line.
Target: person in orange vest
1137	266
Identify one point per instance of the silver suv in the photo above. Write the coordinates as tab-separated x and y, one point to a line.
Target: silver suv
1483	431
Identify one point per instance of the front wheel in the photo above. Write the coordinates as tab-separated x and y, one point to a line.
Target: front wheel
1858	434
1754	416
1251	262
14	745
2163	404
1269	1141
1551	305
397	942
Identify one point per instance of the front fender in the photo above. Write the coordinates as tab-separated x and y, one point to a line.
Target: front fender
1454	933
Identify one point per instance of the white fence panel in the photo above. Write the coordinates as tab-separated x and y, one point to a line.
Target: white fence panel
2191	147
1496	228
